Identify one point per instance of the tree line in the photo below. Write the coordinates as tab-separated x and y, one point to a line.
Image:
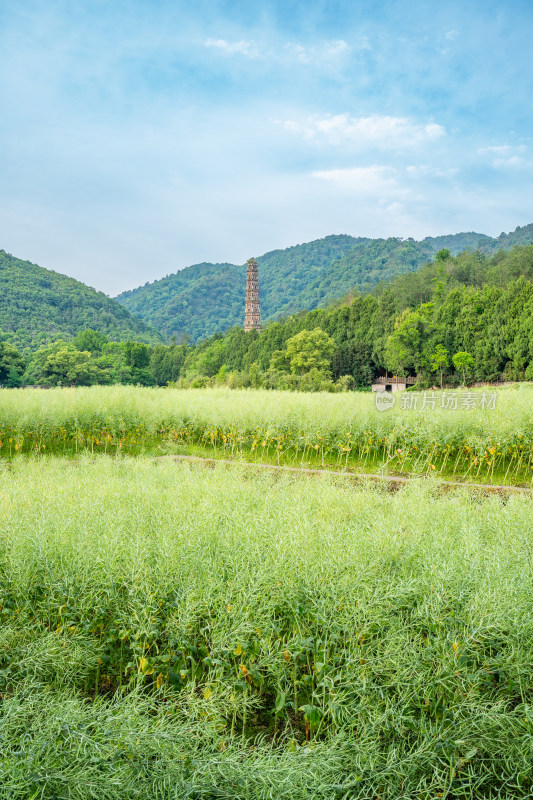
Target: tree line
469	316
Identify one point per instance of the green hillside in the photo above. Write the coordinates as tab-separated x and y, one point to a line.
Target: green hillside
196	301
475	303
205	298
365	266
459	242
38	306
285	275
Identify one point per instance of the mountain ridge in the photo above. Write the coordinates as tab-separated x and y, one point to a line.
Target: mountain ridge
39	306
202	299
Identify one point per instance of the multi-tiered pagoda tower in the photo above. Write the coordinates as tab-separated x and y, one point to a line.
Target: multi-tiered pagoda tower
252	317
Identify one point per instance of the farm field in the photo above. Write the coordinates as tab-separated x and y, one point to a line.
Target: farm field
342	431
175	632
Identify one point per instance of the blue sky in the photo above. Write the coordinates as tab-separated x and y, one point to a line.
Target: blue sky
139	137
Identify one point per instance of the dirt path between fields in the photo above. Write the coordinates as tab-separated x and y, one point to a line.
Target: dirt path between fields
393	481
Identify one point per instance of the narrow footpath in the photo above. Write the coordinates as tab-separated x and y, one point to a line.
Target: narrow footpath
392	481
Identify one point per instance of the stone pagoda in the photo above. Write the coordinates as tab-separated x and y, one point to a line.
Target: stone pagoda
252	317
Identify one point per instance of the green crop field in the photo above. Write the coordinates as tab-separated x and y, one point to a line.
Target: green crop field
344	431
172	631
175	632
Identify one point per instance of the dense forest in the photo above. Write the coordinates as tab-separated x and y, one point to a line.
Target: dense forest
468	317
39	306
204	299
473	304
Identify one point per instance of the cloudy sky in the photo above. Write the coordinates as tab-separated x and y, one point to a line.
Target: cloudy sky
139	137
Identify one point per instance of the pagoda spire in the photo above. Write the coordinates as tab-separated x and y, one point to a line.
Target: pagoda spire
252	317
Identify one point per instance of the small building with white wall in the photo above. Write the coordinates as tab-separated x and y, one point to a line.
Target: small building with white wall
393	384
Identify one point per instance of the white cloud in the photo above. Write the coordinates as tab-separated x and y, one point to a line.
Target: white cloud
423	170
515	162
395	208
377	130
382	182
375	181
301	53
243	47
327	52
451	35
501	149
336	48
506	156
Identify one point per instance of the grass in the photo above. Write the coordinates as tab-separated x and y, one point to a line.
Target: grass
175	632
343	431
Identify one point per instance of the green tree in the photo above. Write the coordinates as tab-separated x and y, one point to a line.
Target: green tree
464	362
136	354
407	345
13	379
67	365
254	375
439	360
166	362
131	362
92	341
11	361
310	350
221	374
280	361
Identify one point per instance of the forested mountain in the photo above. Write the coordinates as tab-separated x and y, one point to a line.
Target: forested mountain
38	306
474	303
205	298
194	302
469	315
